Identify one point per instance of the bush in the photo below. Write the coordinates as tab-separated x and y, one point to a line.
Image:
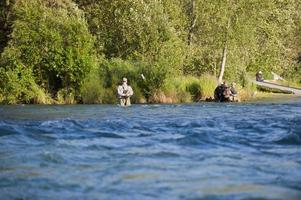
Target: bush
65	96
17	84
41	96
194	88
92	90
189	88
112	72
186	89
154	81
208	84
175	88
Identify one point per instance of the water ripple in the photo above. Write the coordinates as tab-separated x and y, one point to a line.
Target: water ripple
193	151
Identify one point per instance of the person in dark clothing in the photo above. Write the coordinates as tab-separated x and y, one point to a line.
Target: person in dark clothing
224	93
218	92
221	92
259	76
226	97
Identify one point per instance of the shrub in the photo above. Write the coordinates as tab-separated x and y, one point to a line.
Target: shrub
182	89
113	70
189	88
65	96
17	84
208	84
92	90
154	81
41	96
194	88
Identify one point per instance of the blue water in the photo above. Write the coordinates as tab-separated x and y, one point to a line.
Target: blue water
194	151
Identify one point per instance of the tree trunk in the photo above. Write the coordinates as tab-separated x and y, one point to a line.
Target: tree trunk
224	58
192	23
5	23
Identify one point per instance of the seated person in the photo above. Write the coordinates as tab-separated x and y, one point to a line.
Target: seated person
259	76
221	93
218	93
224	93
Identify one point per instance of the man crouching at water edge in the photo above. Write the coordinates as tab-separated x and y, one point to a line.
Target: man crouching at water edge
224	93
125	92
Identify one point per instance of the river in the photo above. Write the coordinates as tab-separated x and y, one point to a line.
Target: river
215	151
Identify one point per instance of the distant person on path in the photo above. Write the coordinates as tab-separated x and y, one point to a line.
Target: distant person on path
259	76
125	92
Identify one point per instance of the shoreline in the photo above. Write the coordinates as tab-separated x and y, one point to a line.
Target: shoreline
265	96
257	97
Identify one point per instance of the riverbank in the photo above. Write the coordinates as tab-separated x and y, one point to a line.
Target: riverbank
264	96
101	89
161	98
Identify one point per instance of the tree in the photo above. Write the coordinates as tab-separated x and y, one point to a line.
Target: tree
239	35
51	43
139	31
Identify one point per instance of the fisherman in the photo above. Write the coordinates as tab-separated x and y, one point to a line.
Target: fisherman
219	92
259	76
226	96
125	92
224	93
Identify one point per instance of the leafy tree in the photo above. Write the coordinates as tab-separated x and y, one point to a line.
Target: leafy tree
241	35
131	29
50	39
50	46
145	32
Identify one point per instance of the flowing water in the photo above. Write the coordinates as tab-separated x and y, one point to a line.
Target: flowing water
190	151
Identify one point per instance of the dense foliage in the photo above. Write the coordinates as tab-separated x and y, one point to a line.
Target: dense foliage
50	49
65	51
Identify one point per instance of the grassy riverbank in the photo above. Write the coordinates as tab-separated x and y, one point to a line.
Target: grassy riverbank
182	89
266	96
100	87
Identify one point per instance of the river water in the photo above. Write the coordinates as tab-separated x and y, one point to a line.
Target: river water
190	151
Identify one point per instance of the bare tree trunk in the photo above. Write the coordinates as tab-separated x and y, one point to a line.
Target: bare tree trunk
224	58
193	22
